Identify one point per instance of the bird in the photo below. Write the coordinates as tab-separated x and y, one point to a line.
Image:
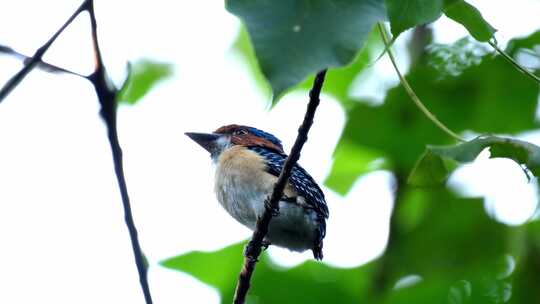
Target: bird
248	162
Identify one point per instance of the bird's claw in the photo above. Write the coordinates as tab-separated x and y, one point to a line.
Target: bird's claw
249	252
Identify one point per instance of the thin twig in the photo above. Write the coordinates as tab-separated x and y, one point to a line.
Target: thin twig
253	249
410	91
106	94
107	98
47	67
16	79
513	62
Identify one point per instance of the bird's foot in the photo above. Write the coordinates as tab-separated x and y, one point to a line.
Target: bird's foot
251	251
265	244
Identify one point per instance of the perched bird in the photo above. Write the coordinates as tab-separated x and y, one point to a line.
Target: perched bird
248	163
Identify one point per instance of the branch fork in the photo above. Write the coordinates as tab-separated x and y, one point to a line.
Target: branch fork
106	94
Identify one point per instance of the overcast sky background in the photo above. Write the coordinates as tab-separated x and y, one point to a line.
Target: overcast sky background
62	232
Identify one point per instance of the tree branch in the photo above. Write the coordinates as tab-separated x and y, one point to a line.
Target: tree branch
106	93
411	92
47	67
107	98
16	79
253	249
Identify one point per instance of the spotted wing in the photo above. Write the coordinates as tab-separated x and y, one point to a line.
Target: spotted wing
300	180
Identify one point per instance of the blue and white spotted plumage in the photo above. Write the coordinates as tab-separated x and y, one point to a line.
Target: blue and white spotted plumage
300	180
309	194
248	163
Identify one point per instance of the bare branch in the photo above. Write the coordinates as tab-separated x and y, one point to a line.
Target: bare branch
107	93
47	67
253	249
16	79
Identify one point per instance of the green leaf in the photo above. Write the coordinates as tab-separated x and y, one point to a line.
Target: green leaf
468	16
310	282
431	171
142	76
297	38
529	43
404	14
339	81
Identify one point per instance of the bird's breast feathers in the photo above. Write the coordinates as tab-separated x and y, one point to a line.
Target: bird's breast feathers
241	183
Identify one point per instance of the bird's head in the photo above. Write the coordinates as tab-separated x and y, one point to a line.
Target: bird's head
231	135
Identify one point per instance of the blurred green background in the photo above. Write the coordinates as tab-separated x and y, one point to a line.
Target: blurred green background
442	248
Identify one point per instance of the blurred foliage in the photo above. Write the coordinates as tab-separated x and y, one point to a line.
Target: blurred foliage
430	169
142	76
442	248
491	97
530	44
460	254
453	59
310	282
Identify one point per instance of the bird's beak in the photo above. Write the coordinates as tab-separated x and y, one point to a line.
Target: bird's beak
205	140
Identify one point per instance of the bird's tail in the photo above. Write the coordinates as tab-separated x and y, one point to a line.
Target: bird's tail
320	234
317	251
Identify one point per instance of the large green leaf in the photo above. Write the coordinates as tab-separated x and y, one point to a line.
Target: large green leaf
142	76
404	14
430	169
310	282
470	17
296	38
340	81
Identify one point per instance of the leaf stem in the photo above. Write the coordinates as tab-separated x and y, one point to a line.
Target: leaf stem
513	62
253	249
411	92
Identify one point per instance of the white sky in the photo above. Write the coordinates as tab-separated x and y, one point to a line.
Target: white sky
62	232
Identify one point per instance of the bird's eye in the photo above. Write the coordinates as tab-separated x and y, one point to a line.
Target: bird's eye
240	132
